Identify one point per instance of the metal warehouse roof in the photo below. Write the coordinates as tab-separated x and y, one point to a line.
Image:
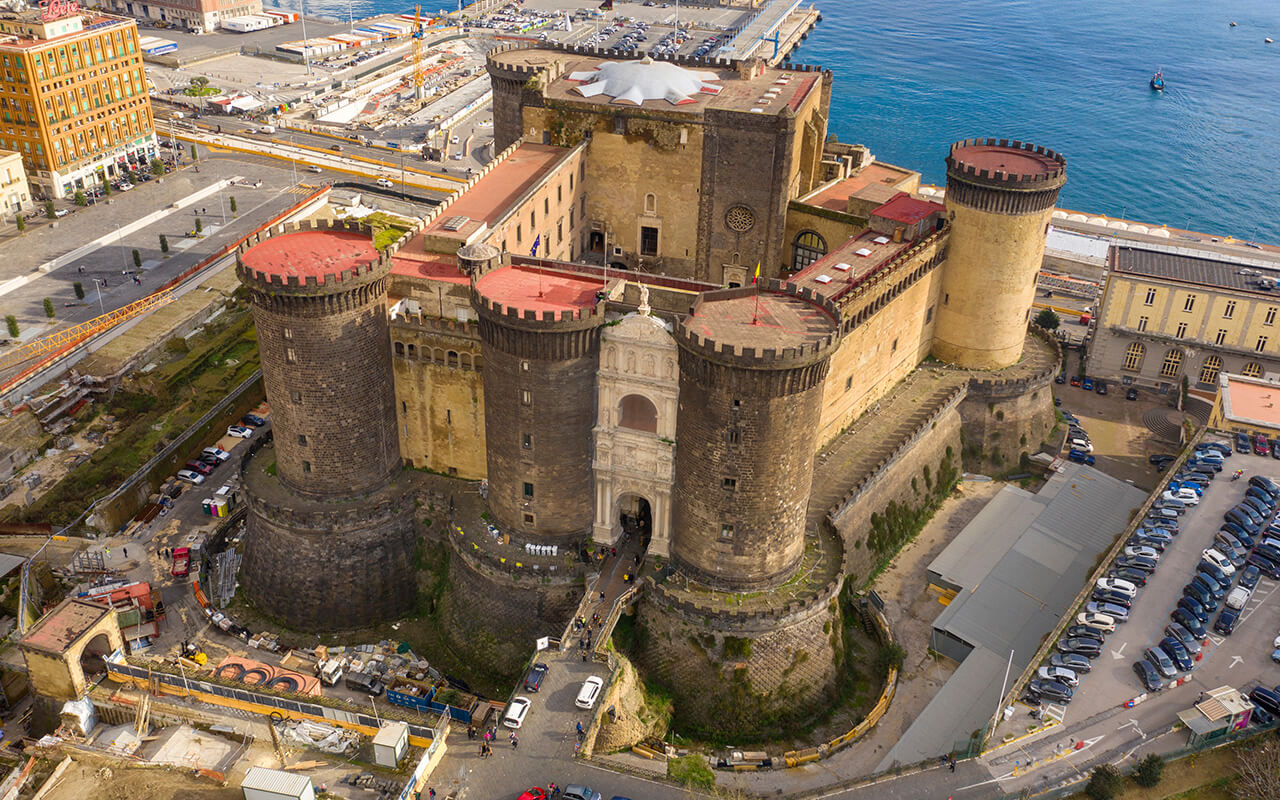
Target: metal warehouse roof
273	780
1018	575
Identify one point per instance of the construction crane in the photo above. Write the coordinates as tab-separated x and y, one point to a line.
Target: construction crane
416	56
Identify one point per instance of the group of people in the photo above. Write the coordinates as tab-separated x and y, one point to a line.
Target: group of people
490	735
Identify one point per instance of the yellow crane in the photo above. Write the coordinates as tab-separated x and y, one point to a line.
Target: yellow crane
416	56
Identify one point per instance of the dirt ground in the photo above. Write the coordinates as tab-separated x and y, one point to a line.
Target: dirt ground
83	779
911	610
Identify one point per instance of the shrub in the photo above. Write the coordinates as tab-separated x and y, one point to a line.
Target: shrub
233	205
691	771
79	198
21	223
49	210
164	243
11	322
1104	783
79	288
48	308
1150	770
199	225
157	166
137	258
1047	319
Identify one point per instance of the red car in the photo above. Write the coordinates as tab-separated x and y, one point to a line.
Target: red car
199	466
534	794
1260	445
1075	380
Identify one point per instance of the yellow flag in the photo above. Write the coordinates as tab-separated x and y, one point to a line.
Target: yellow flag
756	279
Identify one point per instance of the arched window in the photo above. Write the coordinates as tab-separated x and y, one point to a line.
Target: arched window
1209	371
1133	357
638	413
809	247
1252	370
453	358
413	351
651	203
400	348
1172	364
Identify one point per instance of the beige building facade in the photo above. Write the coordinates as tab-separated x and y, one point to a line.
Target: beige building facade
1166	316
15	193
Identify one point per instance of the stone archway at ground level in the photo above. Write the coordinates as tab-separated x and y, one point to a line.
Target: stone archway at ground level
69	645
644	510
635	518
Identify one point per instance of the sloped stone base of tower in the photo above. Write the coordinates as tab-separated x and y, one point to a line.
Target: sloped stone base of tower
327	566
493	620
734	674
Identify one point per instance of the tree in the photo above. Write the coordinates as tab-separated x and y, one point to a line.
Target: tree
48	308
1258	771
22	223
1150	770
157	166
137	258
1105	782
199	82
79	287
164	244
49	210
233	205
199	225
79	198
106	186
1047	319
194	156
12	323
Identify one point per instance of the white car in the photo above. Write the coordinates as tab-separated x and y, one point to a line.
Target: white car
1148	552
1081	444
1238	597
240	431
454	140
216	452
1185	496
589	693
1117	585
516	711
1219	560
1059	674
1103	622
384	183
314	168
190	476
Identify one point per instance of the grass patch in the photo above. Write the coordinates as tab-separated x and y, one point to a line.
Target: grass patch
387	229
692	772
201	91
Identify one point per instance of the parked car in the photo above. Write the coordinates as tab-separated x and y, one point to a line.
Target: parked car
533	793
1087	631
1185	496
1209	454
1184	636
1242	443
253	420
1226	621
1139	540
1132	394
1266	698
1225	539
1118	613
1147	675
197	466
576	791
1083	445
1261	494
1087	384
1053	690
216	452
1134	576
1218	560
190	476
1161	661
209	461
1240	534
1103	596
589	692
1102	622
1249	576
534	677
1073	661
1262	508
1161	459
1188	620
1261	446
1177	652
1198	593
1209	584
1239	517
1117	585
1075	380
240	431
1221	447
1084	647
517	710
1266	484
1193	607
1081	457
1148	552
1265	565
1136	562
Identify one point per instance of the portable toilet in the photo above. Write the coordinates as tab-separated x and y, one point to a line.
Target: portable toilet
390	744
261	783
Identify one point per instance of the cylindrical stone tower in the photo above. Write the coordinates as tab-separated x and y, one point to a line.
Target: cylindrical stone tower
541	335
330	531
751	376
1000	195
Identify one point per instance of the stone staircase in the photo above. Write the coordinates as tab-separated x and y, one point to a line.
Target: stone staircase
873	437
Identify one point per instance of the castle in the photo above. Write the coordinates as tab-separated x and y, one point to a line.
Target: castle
670	300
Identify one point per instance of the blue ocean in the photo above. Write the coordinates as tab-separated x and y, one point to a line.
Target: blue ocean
912	76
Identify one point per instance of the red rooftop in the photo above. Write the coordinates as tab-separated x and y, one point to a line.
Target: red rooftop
310	254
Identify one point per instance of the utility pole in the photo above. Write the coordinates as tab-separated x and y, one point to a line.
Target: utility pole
306	49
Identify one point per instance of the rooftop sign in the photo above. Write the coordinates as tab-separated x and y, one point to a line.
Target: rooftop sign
57	9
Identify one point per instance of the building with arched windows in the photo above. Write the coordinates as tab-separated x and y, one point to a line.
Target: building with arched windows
1167	316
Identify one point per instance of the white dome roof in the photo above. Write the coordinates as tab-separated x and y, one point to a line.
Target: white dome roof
634	82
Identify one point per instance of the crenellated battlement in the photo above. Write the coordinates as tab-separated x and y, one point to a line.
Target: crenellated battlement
310	285
761	358
958	166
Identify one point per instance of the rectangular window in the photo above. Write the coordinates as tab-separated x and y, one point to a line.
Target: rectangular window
726	531
1230	310
519	234
528	491
1190	303
526	397
302	439
546	206
560	230
1221	338
404	406
1262	344
559	194
1151	298
1142	323
928	315
648	241
290	356
526	441
1270	319
1182	330
733	436
306	466
295	397
731	483
528	518
288	333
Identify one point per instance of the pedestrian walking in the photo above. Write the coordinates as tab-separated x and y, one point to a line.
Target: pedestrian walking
553	789
602	596
952	764
471	731
515	741
613	551
431	794
580	730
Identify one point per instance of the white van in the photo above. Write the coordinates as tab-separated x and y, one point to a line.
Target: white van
267	129
589	692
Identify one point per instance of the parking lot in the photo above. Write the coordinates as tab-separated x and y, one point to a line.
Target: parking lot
1241	660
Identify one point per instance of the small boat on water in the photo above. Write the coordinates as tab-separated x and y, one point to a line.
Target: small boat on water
1269	40
1232	24
1157	81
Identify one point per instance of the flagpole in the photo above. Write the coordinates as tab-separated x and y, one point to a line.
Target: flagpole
755	315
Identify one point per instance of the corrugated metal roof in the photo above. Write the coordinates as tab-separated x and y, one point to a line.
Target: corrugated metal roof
10	562
1186	268
274	780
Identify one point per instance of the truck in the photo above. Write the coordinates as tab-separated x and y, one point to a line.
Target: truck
330	671
181	562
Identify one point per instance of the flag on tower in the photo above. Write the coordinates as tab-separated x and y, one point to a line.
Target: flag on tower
537	240
756	278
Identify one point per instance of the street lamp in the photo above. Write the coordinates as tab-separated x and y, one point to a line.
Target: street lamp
98	282
293	161
401	174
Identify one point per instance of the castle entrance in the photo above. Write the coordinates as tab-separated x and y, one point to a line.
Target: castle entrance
635	516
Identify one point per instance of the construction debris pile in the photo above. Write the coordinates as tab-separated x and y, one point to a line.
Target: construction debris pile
316	735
